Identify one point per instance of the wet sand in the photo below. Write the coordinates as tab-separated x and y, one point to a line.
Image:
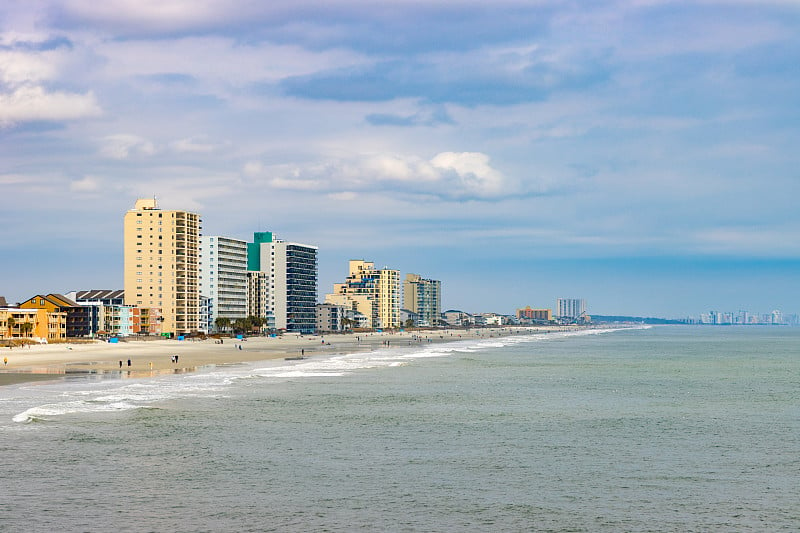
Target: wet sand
151	357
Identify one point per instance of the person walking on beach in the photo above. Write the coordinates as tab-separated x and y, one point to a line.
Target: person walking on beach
5	361
176	358
120	363
129	362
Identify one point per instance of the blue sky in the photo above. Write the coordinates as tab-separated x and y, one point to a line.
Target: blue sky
639	154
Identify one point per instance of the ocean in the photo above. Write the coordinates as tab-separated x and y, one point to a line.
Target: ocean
667	428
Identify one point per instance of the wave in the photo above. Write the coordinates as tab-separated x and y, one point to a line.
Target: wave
111	396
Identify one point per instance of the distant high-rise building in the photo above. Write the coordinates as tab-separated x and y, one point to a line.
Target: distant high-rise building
423	297
570	309
161	256
375	293
289	281
223	279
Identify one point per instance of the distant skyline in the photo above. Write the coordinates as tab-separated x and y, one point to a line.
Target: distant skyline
641	155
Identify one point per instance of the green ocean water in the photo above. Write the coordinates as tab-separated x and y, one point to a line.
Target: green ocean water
661	429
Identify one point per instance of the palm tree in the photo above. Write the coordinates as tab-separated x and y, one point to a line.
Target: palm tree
11	323
25	328
256	323
222	323
240	325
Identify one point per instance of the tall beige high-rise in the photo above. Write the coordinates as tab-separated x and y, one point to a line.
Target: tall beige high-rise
161	264
375	293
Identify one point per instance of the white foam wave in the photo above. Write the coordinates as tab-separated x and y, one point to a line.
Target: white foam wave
48	410
113	395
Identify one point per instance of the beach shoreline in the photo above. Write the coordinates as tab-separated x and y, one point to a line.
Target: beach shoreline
140	358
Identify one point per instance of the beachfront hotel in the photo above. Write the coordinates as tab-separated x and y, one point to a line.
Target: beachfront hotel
32	322
534	315
572	309
423	297
283	282
223	280
161	257
375	293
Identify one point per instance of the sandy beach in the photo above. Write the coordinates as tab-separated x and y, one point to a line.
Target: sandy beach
141	358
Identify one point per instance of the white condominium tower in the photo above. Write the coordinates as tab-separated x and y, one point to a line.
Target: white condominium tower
161	255
223	279
423	297
290	276
375	293
570	308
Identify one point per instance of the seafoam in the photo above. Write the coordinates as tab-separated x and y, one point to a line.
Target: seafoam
41	402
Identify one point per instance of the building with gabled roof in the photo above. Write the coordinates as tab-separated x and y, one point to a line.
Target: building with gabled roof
58	303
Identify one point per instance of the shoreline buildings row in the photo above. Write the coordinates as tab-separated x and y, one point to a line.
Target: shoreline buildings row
208	283
178	281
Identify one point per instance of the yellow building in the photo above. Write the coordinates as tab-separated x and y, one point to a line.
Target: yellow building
375	293
161	250
39	323
52	315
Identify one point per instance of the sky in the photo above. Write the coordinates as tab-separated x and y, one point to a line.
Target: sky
640	154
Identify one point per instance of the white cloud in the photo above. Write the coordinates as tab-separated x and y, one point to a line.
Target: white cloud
343	196
193	145
34	103
85	185
448	175
22	67
252	169
124	146
473	171
161	14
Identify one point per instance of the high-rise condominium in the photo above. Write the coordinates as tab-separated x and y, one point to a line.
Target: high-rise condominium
570	308
287	290
161	255
423	297
375	293
223	279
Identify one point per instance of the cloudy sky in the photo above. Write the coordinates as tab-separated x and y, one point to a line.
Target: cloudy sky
641	154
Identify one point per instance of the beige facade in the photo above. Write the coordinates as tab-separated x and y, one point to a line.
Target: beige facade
161	264
258	304
375	293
